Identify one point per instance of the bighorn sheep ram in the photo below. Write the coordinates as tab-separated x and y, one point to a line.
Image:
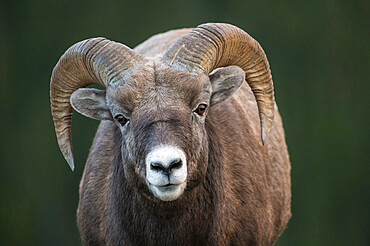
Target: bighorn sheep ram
173	162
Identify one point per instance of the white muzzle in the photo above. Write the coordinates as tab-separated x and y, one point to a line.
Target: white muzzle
166	172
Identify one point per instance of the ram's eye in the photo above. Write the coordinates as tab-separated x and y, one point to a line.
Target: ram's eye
201	109
121	119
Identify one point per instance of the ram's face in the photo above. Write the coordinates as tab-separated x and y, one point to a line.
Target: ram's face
161	113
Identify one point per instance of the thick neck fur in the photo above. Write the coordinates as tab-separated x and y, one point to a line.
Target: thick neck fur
188	221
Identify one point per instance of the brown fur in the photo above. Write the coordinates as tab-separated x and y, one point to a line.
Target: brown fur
238	194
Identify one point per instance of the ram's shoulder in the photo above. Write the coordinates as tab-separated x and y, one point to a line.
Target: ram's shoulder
101	156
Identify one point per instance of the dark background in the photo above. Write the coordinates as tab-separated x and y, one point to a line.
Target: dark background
319	56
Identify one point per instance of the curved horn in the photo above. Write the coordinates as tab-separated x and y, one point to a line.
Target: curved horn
92	61
214	45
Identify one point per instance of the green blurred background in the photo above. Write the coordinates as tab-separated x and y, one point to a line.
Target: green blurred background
319	56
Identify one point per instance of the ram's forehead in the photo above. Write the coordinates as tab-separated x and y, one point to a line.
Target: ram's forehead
156	80
156	73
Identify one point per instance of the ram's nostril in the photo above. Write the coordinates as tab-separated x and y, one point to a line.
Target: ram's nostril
156	166
159	167
176	164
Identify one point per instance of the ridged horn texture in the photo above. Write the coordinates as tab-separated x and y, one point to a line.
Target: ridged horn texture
214	45
92	61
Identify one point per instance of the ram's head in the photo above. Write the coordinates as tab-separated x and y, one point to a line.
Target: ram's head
160	104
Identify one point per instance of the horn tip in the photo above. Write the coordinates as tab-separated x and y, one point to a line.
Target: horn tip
70	162
266	125
264	134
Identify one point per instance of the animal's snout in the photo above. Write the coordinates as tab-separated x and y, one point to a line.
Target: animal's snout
166	166
166	172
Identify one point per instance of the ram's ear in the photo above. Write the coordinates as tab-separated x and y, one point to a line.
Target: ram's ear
225	82
91	103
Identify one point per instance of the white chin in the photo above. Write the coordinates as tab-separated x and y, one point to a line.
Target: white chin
168	193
